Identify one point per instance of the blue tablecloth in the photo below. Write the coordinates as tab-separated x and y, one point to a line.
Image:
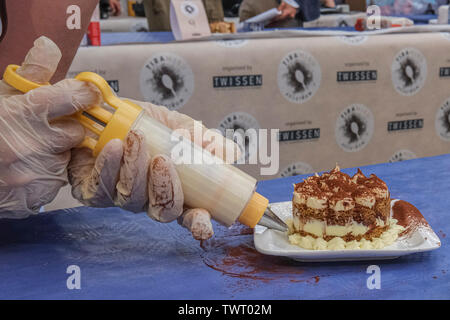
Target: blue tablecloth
419	18
124	255
112	38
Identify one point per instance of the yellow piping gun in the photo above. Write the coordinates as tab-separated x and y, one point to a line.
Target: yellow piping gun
225	191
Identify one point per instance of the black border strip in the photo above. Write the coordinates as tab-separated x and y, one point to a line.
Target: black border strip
4	18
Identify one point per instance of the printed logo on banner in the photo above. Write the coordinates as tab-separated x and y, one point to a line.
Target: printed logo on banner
240	122
353	40
354	127
444	72
238	43
402	125
442	121
299	76
114	84
139	26
189	9
401	155
446	35
299	135
342	23
238	81
166	79
296	169
409	71
356	76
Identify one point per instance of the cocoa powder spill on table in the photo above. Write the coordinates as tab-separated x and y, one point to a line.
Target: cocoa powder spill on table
235	256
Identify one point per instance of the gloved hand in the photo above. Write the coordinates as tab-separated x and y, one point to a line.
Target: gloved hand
34	140
124	175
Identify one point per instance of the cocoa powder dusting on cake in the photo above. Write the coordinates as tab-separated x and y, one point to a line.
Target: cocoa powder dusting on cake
339	199
340	184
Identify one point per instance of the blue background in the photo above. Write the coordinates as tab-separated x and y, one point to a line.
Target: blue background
129	256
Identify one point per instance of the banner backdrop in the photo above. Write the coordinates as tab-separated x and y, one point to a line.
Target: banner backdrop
352	100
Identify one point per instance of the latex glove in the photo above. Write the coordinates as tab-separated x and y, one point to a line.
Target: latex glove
287	12
34	142
124	175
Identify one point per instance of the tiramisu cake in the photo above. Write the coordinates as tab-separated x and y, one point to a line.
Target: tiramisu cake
336	211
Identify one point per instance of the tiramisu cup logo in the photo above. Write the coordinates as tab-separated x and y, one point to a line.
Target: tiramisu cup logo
354	127
299	76
442	121
189	9
139	26
409	71
402	155
296	169
114	84
166	79
342	23
240	122
238	43
446	35
353	40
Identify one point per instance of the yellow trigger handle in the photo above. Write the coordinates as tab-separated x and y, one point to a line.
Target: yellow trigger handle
101	122
11	77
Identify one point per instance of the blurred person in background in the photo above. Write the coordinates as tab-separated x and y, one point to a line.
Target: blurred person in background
408	7
231	7
110	7
328	3
116	9
158	13
293	12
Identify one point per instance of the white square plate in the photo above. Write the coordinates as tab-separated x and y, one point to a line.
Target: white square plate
420	238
